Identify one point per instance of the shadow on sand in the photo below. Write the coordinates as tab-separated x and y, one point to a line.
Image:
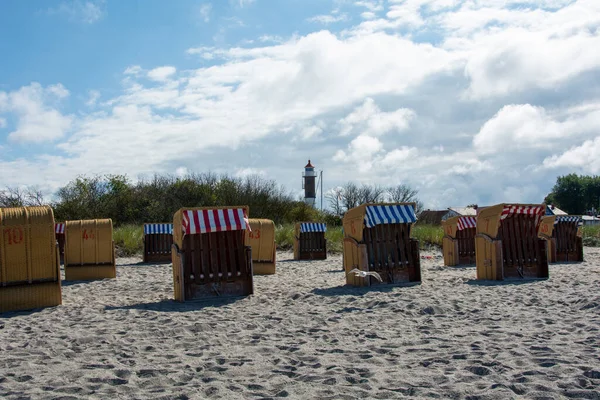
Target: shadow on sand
347	290
146	264
21	313
171	305
506	282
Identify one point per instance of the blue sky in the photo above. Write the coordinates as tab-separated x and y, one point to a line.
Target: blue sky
468	101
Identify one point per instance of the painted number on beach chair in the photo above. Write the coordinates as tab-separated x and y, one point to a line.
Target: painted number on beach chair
14	235
255	234
352	227
449	230
545	228
86	236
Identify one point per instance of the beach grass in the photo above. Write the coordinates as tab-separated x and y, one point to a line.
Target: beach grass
128	238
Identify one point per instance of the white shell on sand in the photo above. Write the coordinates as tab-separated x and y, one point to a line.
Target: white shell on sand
303	335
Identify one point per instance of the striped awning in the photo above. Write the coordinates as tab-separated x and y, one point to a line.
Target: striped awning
568	218
156	229
59	228
466	223
312	227
538	211
390	214
217	220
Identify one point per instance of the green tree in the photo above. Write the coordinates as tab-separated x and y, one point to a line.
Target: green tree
575	194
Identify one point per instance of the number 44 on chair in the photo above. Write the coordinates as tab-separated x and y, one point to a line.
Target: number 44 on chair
87	236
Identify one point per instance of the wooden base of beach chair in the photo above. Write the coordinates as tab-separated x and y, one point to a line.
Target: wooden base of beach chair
29	296
90	272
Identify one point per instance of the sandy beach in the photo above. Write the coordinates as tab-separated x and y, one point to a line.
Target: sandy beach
304	335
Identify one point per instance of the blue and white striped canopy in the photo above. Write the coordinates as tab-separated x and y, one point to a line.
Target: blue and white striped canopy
154	229
312	227
390	214
568	218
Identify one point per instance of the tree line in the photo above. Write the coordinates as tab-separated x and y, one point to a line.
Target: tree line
352	195
576	194
158	198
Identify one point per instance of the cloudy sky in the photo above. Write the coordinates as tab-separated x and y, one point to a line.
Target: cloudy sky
469	101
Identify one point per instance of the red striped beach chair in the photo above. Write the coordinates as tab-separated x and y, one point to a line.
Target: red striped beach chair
507	243
210	255
458	243
377	239
158	239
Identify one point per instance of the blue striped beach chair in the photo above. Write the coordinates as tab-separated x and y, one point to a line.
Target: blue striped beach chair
158	239
377	240
309	241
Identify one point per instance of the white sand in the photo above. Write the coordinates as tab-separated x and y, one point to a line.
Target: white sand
302	335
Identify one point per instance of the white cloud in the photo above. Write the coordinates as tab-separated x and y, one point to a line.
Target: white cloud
87	12
38	119
94	95
271	38
584	157
244	3
371	5
243	172
310	132
181	171
328	18
524	127
205	10
368	119
361	152
505	94
161	74
368	15
58	90
133	70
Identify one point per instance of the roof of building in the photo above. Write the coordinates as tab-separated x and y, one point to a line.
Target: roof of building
551	209
589	218
309	165
432	216
464	210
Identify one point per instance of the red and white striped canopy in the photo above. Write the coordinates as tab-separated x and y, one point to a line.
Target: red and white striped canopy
466	223
538	211
217	220
59	228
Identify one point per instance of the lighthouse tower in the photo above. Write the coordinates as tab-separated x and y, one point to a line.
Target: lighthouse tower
308	184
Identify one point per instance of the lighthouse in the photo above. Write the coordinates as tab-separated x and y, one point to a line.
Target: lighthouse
308	184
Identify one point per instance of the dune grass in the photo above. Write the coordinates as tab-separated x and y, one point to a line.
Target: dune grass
128	238
591	235
428	235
